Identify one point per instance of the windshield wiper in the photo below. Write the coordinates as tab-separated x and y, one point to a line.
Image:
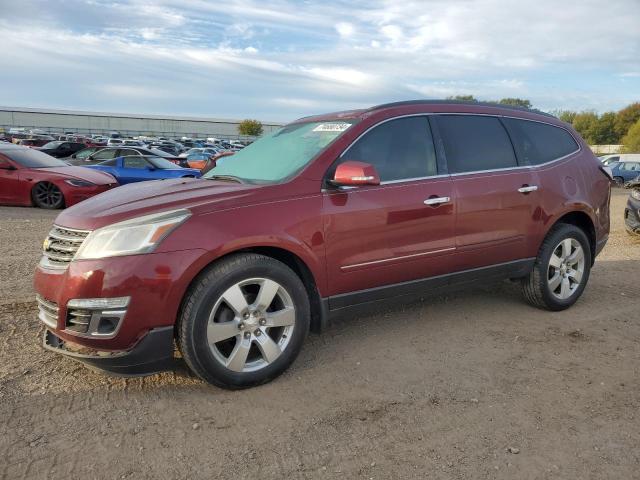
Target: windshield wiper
224	178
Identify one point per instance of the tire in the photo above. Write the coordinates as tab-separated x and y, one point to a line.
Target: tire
619	181
540	288
47	195
222	320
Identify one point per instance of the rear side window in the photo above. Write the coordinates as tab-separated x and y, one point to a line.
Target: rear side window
399	149
537	143
474	143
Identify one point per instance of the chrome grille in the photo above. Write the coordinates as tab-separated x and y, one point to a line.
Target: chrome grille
61	245
47	312
78	320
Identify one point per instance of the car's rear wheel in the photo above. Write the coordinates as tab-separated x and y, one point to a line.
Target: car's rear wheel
561	269
619	181
243	321
47	195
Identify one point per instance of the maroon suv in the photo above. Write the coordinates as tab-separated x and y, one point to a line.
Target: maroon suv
327	213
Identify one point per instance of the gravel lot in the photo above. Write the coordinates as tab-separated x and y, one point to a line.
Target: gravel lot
440	389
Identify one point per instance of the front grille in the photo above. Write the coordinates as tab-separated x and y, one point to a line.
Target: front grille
47	312
61	245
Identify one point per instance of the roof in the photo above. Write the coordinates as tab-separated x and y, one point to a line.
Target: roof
458	102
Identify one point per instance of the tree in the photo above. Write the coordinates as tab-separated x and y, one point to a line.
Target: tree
585	124
565	115
463	98
604	132
249	127
516	102
626	117
631	140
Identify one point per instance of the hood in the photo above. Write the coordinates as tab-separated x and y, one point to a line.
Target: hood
82	173
143	198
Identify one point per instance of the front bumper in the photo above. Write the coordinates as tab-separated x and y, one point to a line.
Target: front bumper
154	282
152	354
632	215
73	195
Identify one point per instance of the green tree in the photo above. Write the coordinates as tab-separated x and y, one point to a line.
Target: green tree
249	127
604	132
565	115
627	117
463	98
631	140
585	124
516	102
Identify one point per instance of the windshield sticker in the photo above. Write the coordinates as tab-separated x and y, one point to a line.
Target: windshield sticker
332	127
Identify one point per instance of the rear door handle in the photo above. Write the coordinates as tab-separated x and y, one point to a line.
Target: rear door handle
528	188
437	200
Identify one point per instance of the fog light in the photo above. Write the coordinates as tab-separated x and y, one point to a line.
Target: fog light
96	317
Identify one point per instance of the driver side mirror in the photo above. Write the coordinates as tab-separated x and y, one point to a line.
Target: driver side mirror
354	174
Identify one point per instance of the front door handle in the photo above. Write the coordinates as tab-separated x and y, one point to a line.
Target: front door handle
437	200
528	188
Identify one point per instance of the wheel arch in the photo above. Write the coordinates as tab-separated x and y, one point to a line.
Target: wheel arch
582	220
319	317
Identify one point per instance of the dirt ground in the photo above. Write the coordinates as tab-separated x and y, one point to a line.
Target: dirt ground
440	389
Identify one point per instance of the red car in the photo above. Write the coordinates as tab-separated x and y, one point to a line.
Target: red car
325	215
29	177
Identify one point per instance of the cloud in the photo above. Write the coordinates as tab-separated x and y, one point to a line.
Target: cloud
282	58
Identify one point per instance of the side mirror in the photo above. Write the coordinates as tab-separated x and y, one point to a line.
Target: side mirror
354	174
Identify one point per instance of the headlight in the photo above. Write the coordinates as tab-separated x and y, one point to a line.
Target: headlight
635	193
74	182
131	237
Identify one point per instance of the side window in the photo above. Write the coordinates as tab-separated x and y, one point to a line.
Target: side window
474	143
134	162
127	152
82	154
398	149
106	154
537	143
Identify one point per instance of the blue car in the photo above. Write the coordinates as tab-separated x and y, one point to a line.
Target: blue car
139	169
624	172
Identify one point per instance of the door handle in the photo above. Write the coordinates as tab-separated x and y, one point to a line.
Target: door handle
528	188
437	200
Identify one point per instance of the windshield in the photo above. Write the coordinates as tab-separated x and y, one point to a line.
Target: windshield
29	158
281	154
55	144
161	163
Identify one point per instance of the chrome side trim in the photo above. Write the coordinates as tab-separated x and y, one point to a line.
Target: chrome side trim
386	260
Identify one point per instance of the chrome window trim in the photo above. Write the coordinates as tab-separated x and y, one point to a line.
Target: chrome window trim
425	114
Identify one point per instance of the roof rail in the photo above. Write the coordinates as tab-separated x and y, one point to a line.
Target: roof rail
459	102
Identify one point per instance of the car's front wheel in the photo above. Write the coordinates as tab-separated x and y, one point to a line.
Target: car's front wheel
243	321
47	195
561	269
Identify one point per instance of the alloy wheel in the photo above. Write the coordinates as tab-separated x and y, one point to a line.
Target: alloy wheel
251	324
566	268
47	194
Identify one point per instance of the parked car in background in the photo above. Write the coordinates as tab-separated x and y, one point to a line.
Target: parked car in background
133	143
632	210
114	142
619	157
34	142
29	177
139	169
109	153
82	157
326	214
61	149
625	171
205	150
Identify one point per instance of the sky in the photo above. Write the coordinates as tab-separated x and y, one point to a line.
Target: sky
277	60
